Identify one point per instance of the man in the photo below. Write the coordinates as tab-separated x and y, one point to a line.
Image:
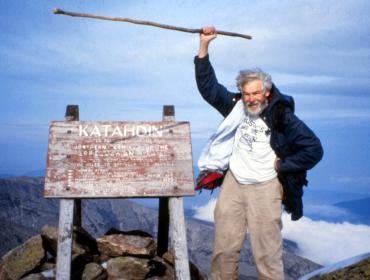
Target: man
266	151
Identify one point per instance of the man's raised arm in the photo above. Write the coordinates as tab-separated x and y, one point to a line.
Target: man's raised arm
209	33
213	92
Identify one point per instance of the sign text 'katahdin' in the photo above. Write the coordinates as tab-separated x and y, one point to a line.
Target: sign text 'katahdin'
128	130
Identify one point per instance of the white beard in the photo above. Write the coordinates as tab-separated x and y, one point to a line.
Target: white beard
258	111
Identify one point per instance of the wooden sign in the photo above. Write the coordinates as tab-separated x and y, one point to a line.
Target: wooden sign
119	159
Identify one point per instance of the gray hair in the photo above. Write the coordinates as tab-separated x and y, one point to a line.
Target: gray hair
250	75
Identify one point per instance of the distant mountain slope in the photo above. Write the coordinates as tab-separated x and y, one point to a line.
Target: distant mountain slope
360	208
5	175
353	268
23	211
35	173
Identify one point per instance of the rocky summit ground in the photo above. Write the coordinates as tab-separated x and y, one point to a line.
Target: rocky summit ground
357	271
24	212
116	255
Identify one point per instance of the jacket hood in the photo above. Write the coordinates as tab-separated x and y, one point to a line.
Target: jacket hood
280	102
277	97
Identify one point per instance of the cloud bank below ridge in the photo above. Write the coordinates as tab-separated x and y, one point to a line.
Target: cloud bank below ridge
317	240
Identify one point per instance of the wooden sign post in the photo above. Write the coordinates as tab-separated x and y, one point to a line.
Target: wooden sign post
121	160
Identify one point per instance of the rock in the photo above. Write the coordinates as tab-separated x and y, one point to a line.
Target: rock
82	241
83	238
104	258
43	275
160	270
47	266
3	274
49	274
127	268
96	259
169	258
120	245
357	271
93	271
34	276
24	258
78	264
130	232
194	271
50	235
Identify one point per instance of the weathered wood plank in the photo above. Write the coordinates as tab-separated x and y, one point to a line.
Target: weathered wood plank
163	211
77	219
178	238
163	226
119	159
73	114
65	234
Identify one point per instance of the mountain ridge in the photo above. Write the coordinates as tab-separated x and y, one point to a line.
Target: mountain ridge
25	211
345	269
359	207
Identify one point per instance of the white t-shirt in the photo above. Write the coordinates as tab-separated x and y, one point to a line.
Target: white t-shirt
252	160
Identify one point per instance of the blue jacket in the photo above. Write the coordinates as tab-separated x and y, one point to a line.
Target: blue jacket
292	140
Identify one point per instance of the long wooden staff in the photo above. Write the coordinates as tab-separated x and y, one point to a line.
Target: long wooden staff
165	26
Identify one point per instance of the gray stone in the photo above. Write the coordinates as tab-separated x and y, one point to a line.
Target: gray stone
169	258
34	276
3	274
24	258
50	235
127	268
83	243
195	273
78	264
357	271
94	271
116	245
47	266
160	270
49	274
84	239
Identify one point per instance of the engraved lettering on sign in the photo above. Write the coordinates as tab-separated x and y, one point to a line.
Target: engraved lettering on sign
69	178
169	180
122	131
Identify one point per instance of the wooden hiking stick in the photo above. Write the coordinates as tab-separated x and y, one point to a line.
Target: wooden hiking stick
142	22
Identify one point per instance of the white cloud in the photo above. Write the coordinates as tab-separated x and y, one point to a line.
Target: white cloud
350	179
325	242
284	79
285	43
328	211
319	241
205	212
338	109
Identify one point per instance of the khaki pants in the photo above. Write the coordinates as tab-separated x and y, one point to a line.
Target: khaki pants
253	208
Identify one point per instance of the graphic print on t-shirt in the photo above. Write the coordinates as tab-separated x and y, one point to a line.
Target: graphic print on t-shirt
250	132
252	159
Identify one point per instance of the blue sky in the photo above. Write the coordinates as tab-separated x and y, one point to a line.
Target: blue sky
316	51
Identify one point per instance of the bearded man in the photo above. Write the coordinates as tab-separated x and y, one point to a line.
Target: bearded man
264	150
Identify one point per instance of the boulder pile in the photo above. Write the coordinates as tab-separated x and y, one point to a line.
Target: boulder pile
116	255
